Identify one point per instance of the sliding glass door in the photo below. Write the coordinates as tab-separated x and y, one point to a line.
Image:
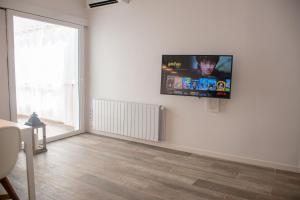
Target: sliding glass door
46	62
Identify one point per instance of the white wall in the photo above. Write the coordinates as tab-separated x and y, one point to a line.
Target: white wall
260	124
4	94
68	10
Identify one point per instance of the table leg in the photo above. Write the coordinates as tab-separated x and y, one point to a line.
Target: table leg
27	138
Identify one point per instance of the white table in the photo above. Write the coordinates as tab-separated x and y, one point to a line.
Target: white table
26	136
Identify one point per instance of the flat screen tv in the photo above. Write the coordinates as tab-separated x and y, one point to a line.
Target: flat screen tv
197	75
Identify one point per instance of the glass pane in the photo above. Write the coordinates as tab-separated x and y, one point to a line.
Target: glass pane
46	65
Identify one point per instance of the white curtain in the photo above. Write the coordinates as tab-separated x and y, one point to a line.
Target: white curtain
46	61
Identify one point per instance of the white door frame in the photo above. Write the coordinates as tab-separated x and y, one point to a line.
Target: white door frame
11	67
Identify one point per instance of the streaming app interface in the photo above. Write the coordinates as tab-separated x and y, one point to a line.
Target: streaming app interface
203	75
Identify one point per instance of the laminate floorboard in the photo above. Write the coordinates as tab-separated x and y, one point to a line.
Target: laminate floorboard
90	167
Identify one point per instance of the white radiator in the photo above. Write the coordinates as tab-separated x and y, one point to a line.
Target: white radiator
137	120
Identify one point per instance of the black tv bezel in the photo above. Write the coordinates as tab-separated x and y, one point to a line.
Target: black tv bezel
229	97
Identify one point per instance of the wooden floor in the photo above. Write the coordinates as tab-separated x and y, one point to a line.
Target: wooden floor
90	167
53	128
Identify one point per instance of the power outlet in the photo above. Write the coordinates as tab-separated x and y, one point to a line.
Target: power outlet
213	105
91	117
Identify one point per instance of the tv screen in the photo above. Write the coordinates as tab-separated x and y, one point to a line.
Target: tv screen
197	75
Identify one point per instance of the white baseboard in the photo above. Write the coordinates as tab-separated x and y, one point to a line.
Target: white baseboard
229	157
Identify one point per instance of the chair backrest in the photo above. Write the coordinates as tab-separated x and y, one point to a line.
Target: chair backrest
9	149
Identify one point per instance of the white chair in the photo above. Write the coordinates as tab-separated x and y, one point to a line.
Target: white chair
9	149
